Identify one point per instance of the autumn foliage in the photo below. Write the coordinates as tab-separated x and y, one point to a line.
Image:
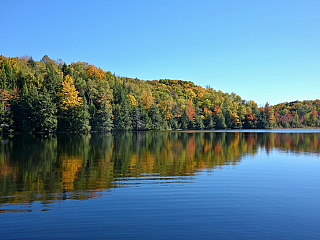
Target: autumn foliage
49	95
69	96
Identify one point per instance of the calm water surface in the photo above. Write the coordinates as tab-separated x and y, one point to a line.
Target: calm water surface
161	185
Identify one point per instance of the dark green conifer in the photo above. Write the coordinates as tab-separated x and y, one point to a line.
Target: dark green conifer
101	117
220	121
158	122
198	122
184	120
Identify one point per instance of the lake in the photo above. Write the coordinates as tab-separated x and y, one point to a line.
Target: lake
161	185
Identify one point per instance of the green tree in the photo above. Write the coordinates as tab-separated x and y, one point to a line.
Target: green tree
296	123
220	121
44	114
184	120
73	113
101	117
198	122
137	122
121	107
262	120
52	80
158	123
3	79
173	123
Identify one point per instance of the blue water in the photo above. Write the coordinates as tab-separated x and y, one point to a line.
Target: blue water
268	194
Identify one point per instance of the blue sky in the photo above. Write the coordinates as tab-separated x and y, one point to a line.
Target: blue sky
267	51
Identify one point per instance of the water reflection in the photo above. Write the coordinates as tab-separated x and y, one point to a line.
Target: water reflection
69	166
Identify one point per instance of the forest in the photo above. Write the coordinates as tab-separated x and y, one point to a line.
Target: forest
50	96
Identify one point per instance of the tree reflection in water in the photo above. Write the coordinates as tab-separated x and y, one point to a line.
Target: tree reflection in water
48	168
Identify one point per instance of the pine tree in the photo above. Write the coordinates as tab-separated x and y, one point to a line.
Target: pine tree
227	118
156	118
45	110
5	111
208	122
147	122
101	117
27	101
184	120
262	120
121	108
198	122
137	122
5	120
52	80
39	112
220	121
173	123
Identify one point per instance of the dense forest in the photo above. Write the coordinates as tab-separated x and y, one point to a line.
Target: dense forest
49	95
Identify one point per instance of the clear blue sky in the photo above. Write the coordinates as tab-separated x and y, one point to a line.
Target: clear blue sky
267	51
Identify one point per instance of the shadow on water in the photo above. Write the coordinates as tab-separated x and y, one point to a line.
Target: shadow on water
49	168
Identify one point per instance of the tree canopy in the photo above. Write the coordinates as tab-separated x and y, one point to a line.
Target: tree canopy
49	95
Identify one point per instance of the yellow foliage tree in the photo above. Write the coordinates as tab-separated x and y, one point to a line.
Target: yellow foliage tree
91	70
147	99
165	108
132	100
69	94
233	114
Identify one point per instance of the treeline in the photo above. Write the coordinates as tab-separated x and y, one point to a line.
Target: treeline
49	96
297	114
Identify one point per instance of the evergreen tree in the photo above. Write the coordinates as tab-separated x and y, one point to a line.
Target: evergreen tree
74	119
184	120
122	109
31	63
8	78
173	123
191	124
66	70
101	117
158	122
27	101
52	80
5	119
122	120
198	122
227	118
37	111
220	121
262	120
45	113
208	122
5	111
147	122
20	79
137	122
